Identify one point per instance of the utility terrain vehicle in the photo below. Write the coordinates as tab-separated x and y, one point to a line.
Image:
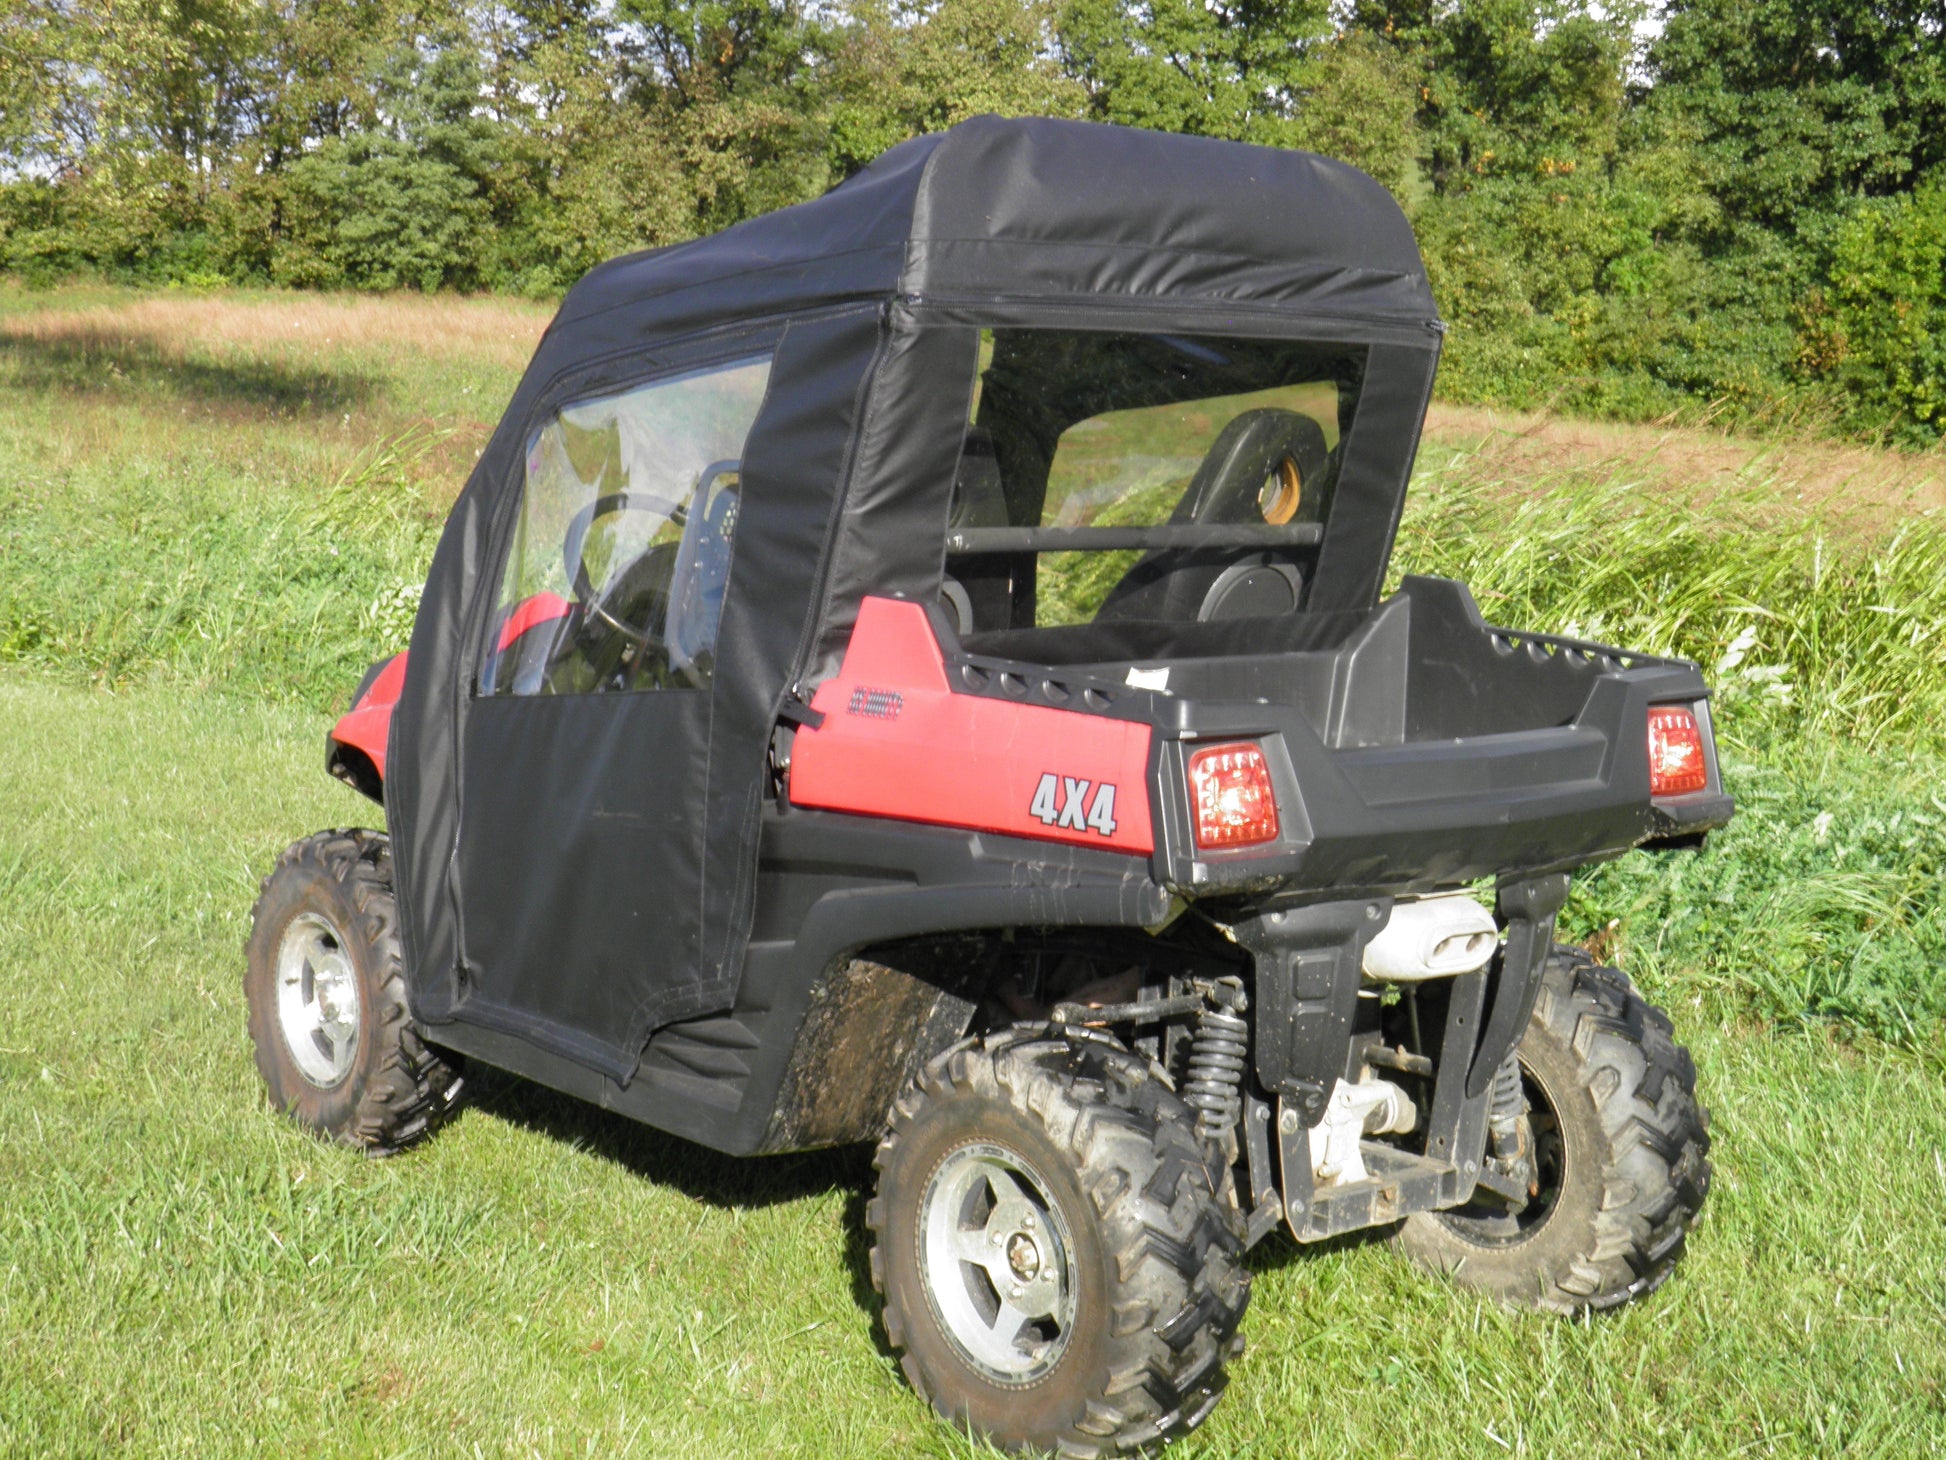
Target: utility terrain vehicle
912	668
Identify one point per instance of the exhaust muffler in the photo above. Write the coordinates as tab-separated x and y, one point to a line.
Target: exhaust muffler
1436	937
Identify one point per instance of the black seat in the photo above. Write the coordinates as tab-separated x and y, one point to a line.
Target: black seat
1267	466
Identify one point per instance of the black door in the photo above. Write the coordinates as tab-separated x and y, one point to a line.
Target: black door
585	757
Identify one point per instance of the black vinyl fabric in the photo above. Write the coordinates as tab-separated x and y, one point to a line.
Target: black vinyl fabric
519	912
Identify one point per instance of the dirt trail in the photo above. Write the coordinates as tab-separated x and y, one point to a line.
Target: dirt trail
1853	489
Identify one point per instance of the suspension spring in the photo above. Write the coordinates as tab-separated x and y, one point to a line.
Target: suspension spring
1219	1052
1506	1104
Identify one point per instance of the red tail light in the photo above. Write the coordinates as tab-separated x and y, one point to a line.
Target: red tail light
1235	806
1676	764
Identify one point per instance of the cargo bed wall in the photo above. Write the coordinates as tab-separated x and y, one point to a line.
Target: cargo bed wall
1464	678
1423	665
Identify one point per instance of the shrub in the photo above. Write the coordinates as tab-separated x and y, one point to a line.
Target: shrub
1884	338
1824	899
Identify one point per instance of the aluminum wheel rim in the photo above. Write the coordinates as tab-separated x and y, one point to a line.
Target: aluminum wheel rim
317	1000
996	1260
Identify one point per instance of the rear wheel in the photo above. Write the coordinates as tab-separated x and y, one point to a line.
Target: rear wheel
1618	1147
325	988
1057	1250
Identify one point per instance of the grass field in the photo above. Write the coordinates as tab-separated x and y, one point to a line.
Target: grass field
212	517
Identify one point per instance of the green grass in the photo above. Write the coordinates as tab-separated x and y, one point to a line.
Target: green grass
183	1272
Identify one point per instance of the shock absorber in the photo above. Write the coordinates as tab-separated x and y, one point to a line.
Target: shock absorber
1219	1052
1506	1104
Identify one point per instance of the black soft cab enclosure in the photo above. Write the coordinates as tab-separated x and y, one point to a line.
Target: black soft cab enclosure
914	664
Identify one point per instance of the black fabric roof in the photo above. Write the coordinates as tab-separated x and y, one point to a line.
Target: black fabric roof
1039	209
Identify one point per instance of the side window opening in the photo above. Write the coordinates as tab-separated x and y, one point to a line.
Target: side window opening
621	555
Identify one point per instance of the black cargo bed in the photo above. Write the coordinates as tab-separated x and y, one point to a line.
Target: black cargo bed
1413	746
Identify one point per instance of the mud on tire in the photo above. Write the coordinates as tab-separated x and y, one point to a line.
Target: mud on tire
325	986
1621	1146
1084	1136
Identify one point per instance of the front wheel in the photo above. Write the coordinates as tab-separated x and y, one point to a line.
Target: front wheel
1057	1250
1618	1147
325	987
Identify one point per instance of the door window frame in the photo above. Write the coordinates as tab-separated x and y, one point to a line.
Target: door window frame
617	373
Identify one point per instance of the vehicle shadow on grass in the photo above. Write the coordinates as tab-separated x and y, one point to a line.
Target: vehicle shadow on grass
753	1182
1280	1250
744	1182
738	1182
104	362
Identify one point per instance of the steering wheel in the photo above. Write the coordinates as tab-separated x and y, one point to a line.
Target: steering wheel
596	604
666	583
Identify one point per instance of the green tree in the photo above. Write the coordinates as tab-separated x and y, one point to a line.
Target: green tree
33	55
697	49
402	203
1881	330
727	85
171	86
895	72
595	173
1359	102
1798	105
1217	68
1512	86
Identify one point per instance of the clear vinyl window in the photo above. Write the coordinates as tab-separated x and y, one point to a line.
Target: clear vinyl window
621	555
1111	476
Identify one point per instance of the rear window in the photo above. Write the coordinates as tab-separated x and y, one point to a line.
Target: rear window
1117	477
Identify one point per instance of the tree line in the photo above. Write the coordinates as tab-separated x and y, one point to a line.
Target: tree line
1732	208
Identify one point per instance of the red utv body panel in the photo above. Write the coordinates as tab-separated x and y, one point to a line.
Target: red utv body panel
542	608
365	726
897	741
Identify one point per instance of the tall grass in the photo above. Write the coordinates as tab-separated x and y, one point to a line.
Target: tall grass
1801	632
261	325
273	595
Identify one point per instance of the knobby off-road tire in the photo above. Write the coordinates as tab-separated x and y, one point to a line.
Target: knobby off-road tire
1621	1152
325	986
1074	1178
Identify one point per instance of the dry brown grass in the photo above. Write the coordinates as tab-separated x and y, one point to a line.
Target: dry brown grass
1854	491
499	332
276	387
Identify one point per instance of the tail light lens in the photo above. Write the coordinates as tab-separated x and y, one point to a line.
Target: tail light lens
1676	764
1235	806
